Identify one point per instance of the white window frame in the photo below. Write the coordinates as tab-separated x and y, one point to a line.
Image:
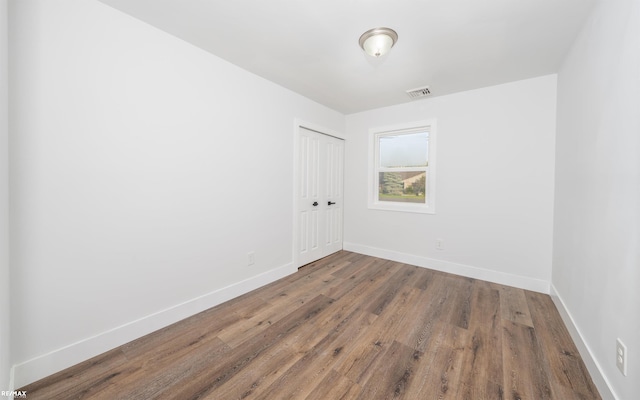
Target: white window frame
374	168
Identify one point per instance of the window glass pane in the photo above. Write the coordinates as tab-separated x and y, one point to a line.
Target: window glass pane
406	187
404	150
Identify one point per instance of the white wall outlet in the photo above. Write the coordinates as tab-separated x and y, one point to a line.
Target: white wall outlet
251	258
621	356
439	244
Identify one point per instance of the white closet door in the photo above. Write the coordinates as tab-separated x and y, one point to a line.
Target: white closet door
320	197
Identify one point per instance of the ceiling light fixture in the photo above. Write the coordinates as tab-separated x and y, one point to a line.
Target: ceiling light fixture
378	41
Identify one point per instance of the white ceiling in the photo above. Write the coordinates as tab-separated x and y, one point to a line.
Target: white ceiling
311	47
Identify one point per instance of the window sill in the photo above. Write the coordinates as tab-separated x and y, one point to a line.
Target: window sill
402	207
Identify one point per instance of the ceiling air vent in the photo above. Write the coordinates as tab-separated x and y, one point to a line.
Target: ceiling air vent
420	92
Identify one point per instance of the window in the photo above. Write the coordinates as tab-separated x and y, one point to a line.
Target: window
402	168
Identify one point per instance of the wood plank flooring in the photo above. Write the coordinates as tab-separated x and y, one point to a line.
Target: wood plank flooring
347	327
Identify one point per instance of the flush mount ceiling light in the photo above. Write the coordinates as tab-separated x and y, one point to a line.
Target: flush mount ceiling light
378	41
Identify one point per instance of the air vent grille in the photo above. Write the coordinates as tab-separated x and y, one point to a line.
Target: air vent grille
420	92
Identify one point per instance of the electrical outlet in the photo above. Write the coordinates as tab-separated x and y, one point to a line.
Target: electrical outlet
621	356
439	244
251	258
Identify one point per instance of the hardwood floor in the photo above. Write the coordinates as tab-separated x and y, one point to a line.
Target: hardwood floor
347	327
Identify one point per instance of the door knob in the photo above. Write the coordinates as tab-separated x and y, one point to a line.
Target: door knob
315	204
330	203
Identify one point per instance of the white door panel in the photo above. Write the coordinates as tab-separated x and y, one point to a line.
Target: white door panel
320	169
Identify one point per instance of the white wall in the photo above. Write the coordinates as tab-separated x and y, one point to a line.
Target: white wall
143	171
4	205
494	202
596	258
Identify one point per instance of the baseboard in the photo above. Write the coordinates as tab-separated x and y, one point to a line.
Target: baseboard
57	360
592	365
522	282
